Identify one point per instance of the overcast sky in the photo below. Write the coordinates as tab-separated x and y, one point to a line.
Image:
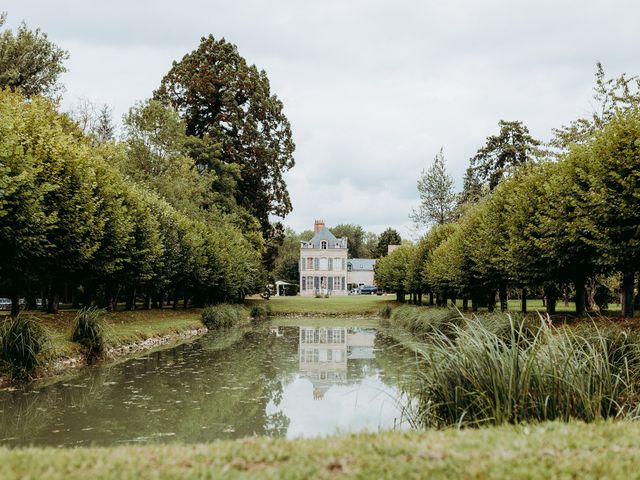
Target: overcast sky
372	88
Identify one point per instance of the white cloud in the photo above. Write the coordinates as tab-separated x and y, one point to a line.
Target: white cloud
372	88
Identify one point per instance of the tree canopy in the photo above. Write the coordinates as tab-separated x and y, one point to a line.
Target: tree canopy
29	61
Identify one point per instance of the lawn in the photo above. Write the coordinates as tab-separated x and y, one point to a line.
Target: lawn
336	305
551	450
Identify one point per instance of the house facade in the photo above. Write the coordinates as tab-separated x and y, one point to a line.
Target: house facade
323	263
360	272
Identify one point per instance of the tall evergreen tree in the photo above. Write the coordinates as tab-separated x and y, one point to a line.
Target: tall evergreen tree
219	95
512	147
388	237
437	198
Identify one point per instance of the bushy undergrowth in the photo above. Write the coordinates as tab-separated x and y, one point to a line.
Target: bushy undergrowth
90	331
423	322
483	372
261	311
385	312
223	316
22	341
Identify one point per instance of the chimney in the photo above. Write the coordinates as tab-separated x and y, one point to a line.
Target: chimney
319	225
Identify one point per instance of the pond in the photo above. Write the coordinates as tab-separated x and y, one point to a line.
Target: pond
282	381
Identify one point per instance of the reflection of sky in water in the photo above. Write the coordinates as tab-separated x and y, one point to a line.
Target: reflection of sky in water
367	405
278	381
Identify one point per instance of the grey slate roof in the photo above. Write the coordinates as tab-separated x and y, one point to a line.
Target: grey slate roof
325	234
361	264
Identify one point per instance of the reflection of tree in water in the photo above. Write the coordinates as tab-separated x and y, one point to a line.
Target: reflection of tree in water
193	393
399	366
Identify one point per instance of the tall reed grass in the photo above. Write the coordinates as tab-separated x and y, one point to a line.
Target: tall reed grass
22	341
90	330
223	315
499	369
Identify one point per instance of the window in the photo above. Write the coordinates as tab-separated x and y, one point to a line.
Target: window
316	282
316	264
324	264
309	263
323	244
304	283
330	283
349	267
330	264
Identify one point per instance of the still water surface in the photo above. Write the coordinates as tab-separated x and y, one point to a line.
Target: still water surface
279	381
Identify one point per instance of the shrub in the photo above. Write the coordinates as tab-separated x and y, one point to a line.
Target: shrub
223	315
90	331
22	340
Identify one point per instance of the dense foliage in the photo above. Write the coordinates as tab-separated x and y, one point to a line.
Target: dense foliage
557	225
76	222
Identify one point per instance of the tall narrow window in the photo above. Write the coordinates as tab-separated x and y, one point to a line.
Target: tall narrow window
316	264
304	283
323	244
309	263
330	264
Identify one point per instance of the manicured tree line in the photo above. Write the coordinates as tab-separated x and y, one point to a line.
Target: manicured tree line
74	226
548	226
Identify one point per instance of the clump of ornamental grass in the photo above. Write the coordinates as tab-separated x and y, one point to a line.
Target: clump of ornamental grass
385	312
223	315
260	311
91	331
423	321
22	341
482	375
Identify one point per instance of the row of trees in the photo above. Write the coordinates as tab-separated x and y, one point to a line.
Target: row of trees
177	209
534	220
72	225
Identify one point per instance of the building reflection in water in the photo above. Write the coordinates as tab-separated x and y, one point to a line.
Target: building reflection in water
325	351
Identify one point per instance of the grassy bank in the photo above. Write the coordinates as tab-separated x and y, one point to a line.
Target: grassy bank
124	328
552	450
357	305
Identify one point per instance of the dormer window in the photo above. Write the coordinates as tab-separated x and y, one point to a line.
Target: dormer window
323	244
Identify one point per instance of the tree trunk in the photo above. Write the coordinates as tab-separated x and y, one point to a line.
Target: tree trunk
502	293
551	295
53	303
628	280
147	301
131	299
400	297
465	303
431	299
15	305
523	306
636	303
580	296
491	301
420	298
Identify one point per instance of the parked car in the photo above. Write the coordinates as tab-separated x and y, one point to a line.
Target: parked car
368	290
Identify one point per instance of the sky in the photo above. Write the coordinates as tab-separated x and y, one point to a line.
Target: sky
373	89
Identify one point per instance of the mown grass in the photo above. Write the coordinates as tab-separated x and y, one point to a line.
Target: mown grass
549	450
336	305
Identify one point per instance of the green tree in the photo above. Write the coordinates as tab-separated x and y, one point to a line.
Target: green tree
388	237
287	263
391	271
511	148
355	238
437	198
219	95
614	190
29	61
